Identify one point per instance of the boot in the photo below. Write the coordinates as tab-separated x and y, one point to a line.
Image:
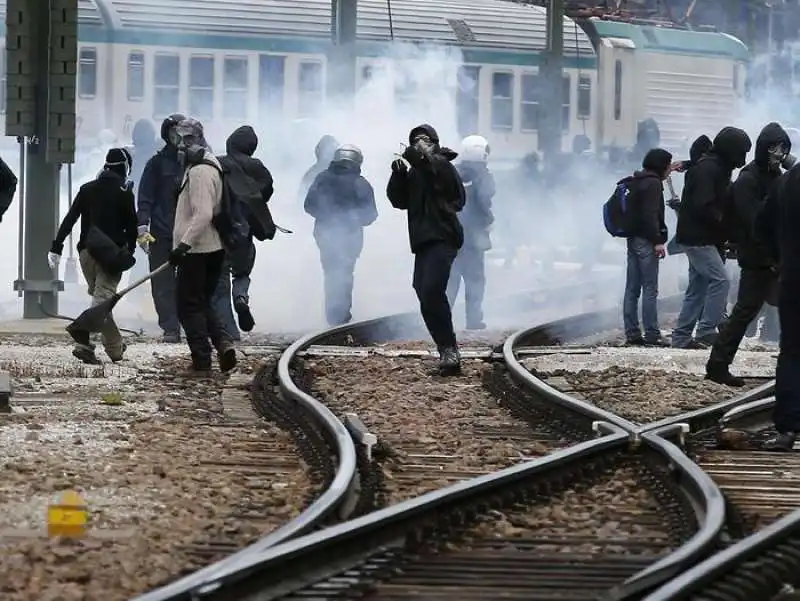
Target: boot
719	373
171	338
86	354
449	361
782	442
226	355
243	314
659	342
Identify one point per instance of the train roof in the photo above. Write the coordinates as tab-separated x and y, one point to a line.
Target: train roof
676	41
489	24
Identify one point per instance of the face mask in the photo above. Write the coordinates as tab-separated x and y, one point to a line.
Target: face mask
424	145
788	161
776	155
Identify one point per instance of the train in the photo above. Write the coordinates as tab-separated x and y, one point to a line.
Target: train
233	61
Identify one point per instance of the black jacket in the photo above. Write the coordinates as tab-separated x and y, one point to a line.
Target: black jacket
432	193
647	194
105	203
240	146
749	193
340	197
476	218
706	189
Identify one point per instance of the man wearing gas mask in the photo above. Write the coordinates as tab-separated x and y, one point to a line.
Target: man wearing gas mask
157	191
197	251
476	219
702	231
758	266
431	193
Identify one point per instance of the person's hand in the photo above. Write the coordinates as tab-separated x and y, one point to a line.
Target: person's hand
53	259
144	238
177	254
678	167
399	166
660	250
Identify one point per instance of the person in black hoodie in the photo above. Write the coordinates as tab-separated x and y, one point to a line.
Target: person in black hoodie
107	204
702	231
256	179
431	192
342	204
476	219
645	248
758	267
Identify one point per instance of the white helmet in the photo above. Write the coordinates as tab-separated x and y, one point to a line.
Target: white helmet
475	148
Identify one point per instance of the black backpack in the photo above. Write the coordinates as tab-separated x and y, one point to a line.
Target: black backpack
618	211
8	187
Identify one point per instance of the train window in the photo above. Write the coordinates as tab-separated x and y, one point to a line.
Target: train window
565	102
234	102
201	87
87	73
468	100
271	81
584	96
309	88
617	90
166	85
136	76
502	100
529	103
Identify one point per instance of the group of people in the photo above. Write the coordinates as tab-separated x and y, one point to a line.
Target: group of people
751	218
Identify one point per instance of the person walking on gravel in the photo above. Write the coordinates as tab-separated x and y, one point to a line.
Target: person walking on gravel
646	240
198	253
758	267
106	244
431	193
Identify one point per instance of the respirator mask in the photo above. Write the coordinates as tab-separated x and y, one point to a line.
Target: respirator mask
425	145
187	137
776	156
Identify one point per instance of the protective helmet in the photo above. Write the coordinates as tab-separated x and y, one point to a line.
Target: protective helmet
168	125
349	153
475	148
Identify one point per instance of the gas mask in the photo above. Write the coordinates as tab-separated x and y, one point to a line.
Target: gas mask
776	155
187	137
788	161
424	144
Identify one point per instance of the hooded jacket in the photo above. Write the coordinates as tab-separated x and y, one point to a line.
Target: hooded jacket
647	190
323	151
432	194
749	193
240	147
706	190
341	199
158	188
199	200
476	218
144	147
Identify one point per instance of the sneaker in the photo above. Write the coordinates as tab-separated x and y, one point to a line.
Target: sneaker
86	354
449	360
708	339
120	357
659	342
171	338
783	442
693	345
227	358
634	341
245	317
198	372
721	375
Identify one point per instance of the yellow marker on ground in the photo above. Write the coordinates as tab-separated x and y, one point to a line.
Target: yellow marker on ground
68	516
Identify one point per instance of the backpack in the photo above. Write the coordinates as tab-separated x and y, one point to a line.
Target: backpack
618	211
8	187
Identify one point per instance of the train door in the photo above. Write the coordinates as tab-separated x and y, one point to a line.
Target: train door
617	112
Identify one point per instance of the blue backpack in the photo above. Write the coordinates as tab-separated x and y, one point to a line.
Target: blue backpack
618	211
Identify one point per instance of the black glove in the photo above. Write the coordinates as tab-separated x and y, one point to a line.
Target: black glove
414	156
177	253
56	248
399	166
674	203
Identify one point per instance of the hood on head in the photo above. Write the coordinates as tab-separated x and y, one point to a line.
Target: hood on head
772	135
325	148
699	147
657	161
242	141
144	133
426	129
167	123
732	145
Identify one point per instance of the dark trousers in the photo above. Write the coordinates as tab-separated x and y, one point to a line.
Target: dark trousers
164	287
754	285
786	414
198	275
239	265
338	252
432	266
469	265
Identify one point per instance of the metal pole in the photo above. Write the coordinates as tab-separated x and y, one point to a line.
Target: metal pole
23	150
550	129
341	81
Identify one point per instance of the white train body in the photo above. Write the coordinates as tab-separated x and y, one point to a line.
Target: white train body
230	62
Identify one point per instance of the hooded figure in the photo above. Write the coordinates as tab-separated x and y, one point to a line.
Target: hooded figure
197	251
144	147
476	218
255	179
156	193
758	267
105	207
323	151
432	194
342	204
703	229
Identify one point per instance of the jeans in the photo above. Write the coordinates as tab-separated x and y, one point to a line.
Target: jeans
641	279
706	297
238	265
339	250
103	286
432	266
163	286
469	264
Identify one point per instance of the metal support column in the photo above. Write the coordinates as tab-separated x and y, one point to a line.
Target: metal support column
342	58
550	127
42	52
